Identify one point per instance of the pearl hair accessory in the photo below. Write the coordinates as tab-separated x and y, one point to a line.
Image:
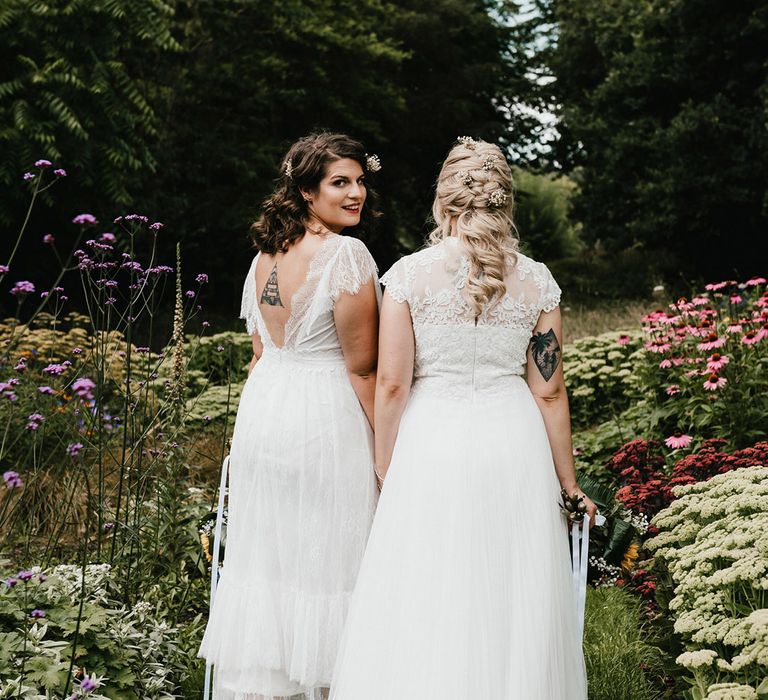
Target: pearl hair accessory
489	163
372	163
465	177
467	141
288	169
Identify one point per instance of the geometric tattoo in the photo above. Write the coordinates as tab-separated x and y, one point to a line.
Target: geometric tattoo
546	353
271	293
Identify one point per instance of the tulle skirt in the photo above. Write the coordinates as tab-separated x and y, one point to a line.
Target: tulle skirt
301	500
465	590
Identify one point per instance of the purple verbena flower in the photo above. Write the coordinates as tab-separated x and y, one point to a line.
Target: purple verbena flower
43	163
74	449
189	294
46	390
156	226
28	176
4	269
12	480
34	421
48	238
207	419
37	613
23	287
25	575
77	351
21	365
11	582
82	219
206	324
202	278
60	172
83	387
55	369
107	238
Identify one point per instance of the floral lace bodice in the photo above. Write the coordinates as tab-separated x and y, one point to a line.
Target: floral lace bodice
341	265
458	356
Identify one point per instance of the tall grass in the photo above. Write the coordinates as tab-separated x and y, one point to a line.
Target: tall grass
580	321
620	662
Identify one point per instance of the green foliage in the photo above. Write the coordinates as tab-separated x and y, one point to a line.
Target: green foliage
668	134
132	647
72	89
542	208
620	660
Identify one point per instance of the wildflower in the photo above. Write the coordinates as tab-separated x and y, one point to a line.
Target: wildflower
677	440
4	269
43	163
48	238
83	219
11	582
12	480
89	683
672	389
34	421
219	348
202	278
84	387
716	361
189	294
46	390
734	328
21	365
713	287
659	345
107	238
751	337
754	281
37	613
25	575
206	324
735	299
665	363
207	419
714	382
156	226
74	448
28	176
23	287
630	556
624	339
55	369
712	342
77	351
60	172
108	526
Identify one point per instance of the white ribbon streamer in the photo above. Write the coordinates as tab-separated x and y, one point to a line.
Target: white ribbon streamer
215	562
579	562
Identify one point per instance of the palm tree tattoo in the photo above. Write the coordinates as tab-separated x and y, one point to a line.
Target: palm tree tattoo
546	353
271	293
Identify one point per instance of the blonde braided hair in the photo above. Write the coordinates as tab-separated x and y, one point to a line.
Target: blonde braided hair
474	199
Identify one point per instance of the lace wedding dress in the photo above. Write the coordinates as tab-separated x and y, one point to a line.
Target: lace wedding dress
301	498
465	589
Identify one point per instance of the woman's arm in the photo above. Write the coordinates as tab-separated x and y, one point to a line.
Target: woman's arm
357	324
258	348
396	352
547	384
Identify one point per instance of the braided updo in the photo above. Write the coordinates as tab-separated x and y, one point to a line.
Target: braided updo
474	201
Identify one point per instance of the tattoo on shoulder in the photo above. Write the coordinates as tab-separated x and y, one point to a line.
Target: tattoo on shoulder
271	293
546	353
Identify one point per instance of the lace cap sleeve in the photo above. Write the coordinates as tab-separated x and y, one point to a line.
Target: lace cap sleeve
395	281
551	292
248	304
354	266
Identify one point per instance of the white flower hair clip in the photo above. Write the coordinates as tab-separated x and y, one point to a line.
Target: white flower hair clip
467	141
372	163
497	198
490	162
288	169
465	177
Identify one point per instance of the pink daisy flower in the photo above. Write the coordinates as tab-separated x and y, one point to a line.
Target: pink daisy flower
672	389
712	342
751	337
677	440
624	339
700	300
665	364
716	361
714	382
754	281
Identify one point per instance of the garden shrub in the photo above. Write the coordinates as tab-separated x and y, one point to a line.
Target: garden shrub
713	542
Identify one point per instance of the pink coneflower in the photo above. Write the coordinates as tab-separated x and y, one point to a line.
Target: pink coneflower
734	328
712	342
659	345
665	364
735	298
672	389
692	373
700	300
762	301
754	281
714	382
716	361
677	440
751	337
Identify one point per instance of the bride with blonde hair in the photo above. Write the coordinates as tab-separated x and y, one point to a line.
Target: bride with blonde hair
465	588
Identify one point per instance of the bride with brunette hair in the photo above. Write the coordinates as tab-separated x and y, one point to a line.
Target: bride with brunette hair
302	486
465	590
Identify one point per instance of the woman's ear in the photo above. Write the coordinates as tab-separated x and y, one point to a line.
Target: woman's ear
307	195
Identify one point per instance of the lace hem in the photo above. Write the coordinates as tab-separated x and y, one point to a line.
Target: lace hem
393	284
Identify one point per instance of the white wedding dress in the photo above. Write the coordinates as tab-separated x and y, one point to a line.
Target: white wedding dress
465	591
301	498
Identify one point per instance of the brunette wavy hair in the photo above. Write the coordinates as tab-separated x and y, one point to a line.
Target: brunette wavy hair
284	213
